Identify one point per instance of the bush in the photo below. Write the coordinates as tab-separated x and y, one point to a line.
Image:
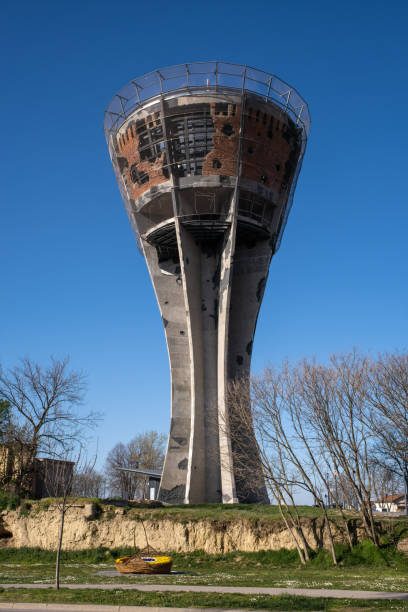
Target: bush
8	501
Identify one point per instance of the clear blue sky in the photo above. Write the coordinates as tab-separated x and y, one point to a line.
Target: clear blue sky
72	280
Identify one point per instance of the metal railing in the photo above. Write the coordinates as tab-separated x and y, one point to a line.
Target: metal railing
205	77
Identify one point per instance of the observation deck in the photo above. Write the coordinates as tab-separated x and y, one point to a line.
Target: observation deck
206	125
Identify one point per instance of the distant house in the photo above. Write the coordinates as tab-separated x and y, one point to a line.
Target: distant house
40	477
52	477
390	503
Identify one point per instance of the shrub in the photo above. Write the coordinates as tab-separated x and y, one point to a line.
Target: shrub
8	501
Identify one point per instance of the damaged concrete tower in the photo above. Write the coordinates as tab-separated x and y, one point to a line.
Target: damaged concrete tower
207	157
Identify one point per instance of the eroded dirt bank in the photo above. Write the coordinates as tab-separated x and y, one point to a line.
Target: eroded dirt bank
85	529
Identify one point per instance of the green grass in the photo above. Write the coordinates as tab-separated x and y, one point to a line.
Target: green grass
363	568
8	501
364	554
220	512
121	597
188	512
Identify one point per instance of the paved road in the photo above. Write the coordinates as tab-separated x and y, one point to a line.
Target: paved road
227	589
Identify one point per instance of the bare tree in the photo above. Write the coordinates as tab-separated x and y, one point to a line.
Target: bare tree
257	439
336	400
145	450
87	482
58	476
387	415
44	403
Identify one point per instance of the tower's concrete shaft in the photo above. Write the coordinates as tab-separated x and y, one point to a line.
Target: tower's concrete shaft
207	158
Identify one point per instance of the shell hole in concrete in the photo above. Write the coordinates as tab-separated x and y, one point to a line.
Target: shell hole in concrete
227	129
138	177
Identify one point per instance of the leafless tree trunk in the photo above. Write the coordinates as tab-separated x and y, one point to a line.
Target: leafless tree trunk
58	475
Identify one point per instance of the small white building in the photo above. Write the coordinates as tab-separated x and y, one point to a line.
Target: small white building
390	503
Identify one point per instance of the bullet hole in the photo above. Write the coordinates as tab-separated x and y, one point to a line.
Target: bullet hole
166	301
227	129
264	178
122	163
181	332
187	260
165	322
178	280
180	441
240	360
249	347
182	465
203	307
216	163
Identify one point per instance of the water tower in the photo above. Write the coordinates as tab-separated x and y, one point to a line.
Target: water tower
207	156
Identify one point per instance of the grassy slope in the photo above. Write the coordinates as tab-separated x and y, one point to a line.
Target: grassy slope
219	512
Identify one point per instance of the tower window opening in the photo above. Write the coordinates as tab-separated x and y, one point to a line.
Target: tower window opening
233	109
151	141
216	163
257	210
250	149
221	109
190	140
257	115
264	119
264	178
